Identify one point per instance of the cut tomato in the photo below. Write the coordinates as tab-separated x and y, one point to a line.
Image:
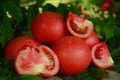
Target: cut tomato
101	56
78	26
40	61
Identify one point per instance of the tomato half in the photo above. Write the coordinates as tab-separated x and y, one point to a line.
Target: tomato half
73	54
48	27
17	44
79	26
101	56
40	61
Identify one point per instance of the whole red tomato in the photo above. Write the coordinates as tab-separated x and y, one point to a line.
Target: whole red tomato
73	54
101	56
39	61
78	26
48	27
92	40
17	44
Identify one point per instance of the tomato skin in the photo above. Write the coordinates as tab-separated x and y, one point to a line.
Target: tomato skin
73	54
13	48
48	27
78	26
107	4
101	56
39	61
92	40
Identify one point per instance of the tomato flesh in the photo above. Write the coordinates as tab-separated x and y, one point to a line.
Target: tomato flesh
78	26
40	61
101	56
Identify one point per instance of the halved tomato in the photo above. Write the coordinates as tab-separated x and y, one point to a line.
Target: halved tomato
101	56
40	61
78	26
17	44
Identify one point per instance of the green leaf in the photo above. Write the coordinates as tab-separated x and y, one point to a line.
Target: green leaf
40	2
32	12
27	77
74	9
62	9
116	57
109	28
6	31
49	7
92	73
3	9
14	10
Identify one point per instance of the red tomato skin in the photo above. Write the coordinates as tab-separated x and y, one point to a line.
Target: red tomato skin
92	40
78	29
73	54
29	58
48	27
107	4
17	44
101	57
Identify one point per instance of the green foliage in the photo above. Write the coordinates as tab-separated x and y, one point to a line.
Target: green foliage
116	57
6	31
92	73
32	12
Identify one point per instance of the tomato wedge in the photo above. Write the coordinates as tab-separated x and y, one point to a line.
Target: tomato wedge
79	26
40	61
101	56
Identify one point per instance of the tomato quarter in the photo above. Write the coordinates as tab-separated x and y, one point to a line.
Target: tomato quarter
101	56
78	26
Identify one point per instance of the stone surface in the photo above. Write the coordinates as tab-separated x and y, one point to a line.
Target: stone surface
111	76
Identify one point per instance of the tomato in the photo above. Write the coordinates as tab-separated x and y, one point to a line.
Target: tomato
18	44
107	4
79	26
48	27
92	40
73	54
101	56
39	61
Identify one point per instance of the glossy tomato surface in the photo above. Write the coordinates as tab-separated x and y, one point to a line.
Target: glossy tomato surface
101	56
92	40
73	54
78	26
48	27
17	44
40	61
